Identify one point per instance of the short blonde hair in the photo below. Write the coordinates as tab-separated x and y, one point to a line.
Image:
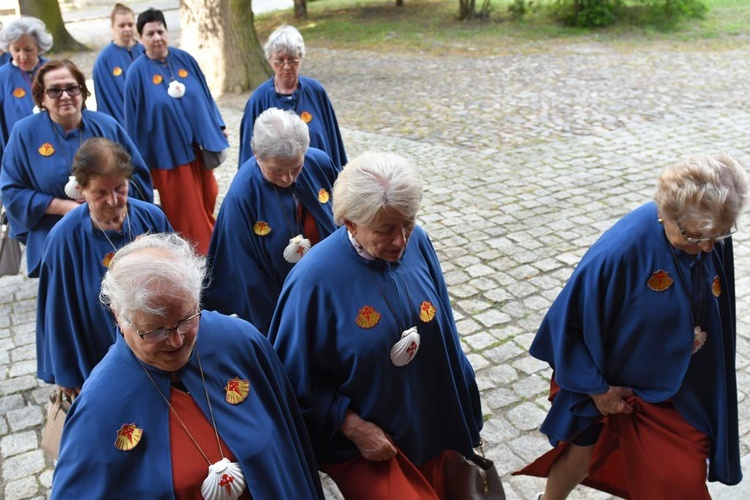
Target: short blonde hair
708	191
374	181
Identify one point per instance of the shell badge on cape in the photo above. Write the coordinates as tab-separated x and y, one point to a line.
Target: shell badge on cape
323	196
306	116
236	390
18	92
404	351
296	249
107	260
225	481
716	286
46	149
261	228
157	79
660	281
367	317
426	311
117	71
182	73
128	437
176	89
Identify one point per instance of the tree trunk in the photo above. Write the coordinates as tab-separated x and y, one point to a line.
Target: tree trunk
49	12
399	3
300	9
220	34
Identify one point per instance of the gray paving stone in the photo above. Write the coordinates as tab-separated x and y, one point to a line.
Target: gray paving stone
23	466
18	442
24	418
526	416
10	403
26	487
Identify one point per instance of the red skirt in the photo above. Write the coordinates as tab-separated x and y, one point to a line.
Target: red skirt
652	453
187	194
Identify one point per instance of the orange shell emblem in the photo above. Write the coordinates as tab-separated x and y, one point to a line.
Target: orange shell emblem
660	281
323	196
46	149
237	390
157	79
261	228
128	437
19	92
182	73
716	286
367	317
117	71
426	312
107	260
306	116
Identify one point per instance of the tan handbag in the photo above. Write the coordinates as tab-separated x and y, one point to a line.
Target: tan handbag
472	478
57	409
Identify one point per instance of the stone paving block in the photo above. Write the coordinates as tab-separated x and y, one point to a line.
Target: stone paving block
526	416
502	353
529	365
10	403
492	317
18	442
477	361
472	306
12	386
26	487
45	478
529	447
24	353
3	426
24	338
24	465
496	397
24	418
23	368
466	326
4	358
480	341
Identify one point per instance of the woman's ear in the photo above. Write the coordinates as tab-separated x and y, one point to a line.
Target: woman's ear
350	226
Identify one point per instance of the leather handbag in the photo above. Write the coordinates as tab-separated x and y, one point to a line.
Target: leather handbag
472	478
10	248
57	409
212	159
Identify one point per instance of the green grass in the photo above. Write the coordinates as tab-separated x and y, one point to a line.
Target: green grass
432	26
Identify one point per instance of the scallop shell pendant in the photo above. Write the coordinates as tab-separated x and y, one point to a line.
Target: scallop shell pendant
72	189
176	89
225	481
405	350
36	109
699	338
296	249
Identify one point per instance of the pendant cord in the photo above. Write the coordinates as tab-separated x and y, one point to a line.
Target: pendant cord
683	285
130	229
385	297
283	210
210	409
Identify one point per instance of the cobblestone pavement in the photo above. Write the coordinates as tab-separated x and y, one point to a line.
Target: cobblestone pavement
528	156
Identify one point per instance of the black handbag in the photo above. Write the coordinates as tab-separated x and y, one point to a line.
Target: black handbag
10	248
472	477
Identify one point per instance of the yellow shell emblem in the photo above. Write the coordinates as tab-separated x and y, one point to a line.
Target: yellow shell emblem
306	116
157	79
182	73
261	228
237	390
107	260
659	281
46	149
128	437
426	312
323	196
117	71
19	92
367	317
716	286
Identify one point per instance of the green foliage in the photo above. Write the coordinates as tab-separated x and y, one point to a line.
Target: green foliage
600	13
519	8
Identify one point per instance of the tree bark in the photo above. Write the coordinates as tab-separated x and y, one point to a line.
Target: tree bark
300	9
49	12
220	34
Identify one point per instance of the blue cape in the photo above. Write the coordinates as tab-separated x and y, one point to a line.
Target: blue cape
265	432
337	359
310	102
36	167
615	323
16	101
110	70
164	128
73	329
248	269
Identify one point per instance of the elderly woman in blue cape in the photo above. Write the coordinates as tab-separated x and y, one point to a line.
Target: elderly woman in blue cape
73	330
188	403
35	182
278	206
286	89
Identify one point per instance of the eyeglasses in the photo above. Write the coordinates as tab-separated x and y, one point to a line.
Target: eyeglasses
280	63
161	334
720	237
72	91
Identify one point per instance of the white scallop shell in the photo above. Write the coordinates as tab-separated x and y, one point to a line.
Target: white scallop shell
699	338
36	109
296	249
405	350
176	89
225	481
72	189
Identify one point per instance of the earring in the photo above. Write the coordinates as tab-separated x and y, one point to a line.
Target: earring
660	220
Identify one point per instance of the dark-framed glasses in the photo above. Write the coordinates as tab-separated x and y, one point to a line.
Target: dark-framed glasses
280	63
703	239
160	334
72	91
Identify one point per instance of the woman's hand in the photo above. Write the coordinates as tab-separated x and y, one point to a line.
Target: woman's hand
60	206
71	392
373	443
613	401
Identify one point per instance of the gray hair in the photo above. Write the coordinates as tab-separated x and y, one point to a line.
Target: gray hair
708	191
286	39
279	134
146	273
26	25
374	181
